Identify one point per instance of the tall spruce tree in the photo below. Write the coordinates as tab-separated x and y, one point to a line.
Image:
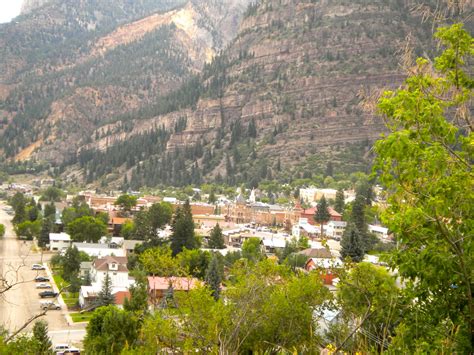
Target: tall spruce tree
322	213
214	277
183	230
216	239
40	334
43	239
351	244
339	204
105	296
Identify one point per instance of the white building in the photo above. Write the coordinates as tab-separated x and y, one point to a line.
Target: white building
335	229
98	250
379	231
59	241
314	194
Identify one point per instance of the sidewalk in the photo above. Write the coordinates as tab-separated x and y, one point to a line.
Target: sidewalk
60	300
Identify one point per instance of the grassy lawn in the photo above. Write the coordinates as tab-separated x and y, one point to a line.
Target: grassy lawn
70	298
78	317
59	281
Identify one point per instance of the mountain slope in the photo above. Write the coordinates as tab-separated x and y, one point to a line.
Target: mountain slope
283	99
87	62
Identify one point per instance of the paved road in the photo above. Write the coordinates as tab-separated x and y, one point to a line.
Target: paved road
21	302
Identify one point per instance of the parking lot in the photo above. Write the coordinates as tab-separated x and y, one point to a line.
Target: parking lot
21	302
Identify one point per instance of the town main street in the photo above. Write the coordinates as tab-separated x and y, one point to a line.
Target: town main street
21	302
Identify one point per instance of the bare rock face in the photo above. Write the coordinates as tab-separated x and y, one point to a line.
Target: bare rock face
30	5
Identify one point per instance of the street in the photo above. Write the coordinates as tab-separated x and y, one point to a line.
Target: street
21	302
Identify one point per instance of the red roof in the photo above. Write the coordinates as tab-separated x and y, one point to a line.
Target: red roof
178	283
313	210
120	220
120	297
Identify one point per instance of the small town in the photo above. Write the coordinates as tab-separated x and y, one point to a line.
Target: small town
92	246
236	177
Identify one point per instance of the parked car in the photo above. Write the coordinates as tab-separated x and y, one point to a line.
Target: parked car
46	294
70	351
63	349
38	267
43	285
50	305
41	279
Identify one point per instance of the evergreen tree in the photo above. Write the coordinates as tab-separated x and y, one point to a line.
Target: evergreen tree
50	210
40	334
339	203
214	277
351	244
105	296
212	197
216	239
183	230
358	213
139	296
43	239
252	129
322	213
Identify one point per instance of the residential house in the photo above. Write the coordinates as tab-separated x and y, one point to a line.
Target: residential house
325	263
117	270
129	246
59	241
159	287
335	229
380	232
115	225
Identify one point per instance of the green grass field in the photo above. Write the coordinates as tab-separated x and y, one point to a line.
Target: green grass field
78	317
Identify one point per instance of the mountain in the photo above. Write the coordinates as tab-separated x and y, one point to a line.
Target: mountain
129	97
69	67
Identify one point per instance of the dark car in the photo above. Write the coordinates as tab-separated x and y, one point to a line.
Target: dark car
45	294
41	279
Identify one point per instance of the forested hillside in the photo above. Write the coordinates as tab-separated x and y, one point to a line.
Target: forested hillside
132	96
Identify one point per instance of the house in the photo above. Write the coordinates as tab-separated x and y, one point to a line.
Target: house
115	225
271	245
129	246
309	214
88	296
321	253
335	229
158	287
112	242
379	231
116	268
327	267
59	241
98	250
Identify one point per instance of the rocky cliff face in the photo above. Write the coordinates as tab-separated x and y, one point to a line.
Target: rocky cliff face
283	98
70	67
297	70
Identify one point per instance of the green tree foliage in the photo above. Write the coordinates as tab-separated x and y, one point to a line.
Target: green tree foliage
127	230
322	213
40	334
71	263
77	210
105	296
351	244
49	211
340	201
138	301
46	228
369	294
183	230
216	239
18	203
426	165
142	226
160	215
214	277
2	230
28	229
21	344
267	309
194	262
252	249
160	262
110	331
86	229
126	203
52	194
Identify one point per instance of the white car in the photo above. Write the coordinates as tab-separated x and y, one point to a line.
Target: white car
50	305
43	285
38	267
